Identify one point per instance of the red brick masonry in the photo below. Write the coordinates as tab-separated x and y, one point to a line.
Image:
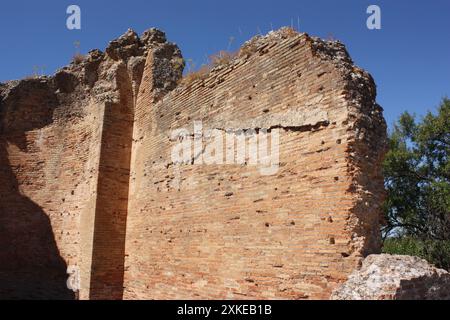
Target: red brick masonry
87	177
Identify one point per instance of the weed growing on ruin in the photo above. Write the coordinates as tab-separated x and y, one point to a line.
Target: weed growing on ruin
38	71
78	58
288	32
248	49
222	58
225	57
193	76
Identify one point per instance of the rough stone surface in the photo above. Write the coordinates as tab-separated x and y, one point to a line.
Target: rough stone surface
388	277
87	178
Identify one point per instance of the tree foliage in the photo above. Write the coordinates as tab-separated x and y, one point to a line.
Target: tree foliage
434	251
417	179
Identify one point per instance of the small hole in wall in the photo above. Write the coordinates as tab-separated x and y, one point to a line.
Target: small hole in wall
345	254
339	141
336	178
267	224
332	241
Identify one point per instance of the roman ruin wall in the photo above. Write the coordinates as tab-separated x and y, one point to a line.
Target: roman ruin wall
88	177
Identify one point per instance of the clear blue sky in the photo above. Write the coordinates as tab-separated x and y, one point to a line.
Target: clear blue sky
409	57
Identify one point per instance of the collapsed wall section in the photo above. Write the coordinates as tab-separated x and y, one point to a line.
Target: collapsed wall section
215	231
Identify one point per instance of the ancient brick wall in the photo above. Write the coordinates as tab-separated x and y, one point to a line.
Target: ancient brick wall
88	177
49	161
65	154
227	231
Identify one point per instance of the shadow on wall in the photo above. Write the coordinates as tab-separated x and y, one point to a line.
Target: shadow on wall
30	264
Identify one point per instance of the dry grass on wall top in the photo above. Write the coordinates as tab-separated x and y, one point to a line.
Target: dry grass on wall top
225	57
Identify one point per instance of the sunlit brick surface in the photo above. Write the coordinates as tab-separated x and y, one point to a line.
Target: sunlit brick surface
87	177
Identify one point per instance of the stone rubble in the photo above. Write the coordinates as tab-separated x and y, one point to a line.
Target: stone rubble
395	277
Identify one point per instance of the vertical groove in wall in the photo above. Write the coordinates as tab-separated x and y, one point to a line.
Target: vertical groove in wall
112	195
87	217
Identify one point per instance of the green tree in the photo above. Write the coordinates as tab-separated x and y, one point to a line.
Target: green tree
417	179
